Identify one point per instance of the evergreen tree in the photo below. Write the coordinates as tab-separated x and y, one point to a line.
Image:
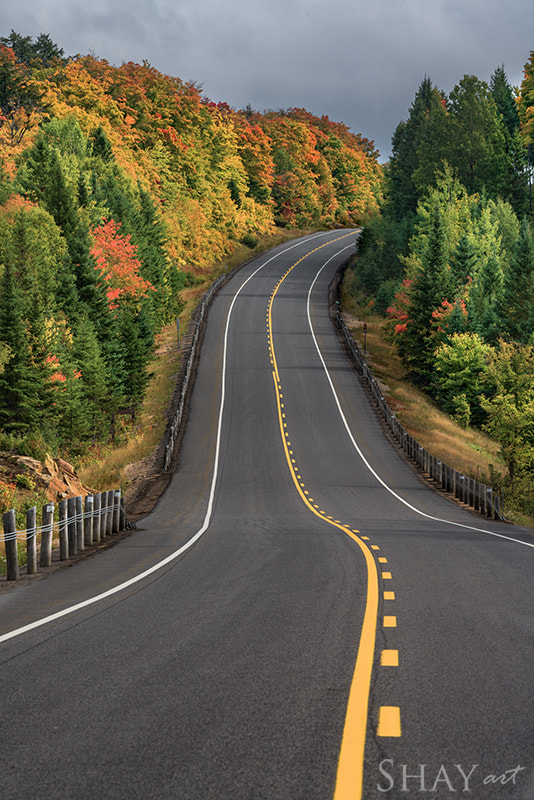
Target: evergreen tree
151	238
515	185
464	261
431	287
101	145
94	376
476	142
502	94
516	309
20	387
410	141
485	297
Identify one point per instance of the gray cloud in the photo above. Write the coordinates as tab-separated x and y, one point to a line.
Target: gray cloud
358	62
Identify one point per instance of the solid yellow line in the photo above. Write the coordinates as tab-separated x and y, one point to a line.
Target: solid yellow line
349	779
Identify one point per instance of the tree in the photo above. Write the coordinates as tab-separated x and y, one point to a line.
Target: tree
515	186
22	97
93	377
412	139
21	391
526	102
509	404
516	308
476	143
460	365
43	51
431	286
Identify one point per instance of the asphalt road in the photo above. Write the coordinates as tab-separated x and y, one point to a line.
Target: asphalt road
300	617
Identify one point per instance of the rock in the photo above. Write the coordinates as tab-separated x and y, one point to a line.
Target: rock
56	476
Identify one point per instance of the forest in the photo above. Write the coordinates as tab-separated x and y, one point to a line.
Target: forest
120	186
450	259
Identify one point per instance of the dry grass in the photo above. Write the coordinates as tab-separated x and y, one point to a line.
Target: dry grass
468	451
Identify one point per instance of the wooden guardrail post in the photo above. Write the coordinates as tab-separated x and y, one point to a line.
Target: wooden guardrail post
88	521
10	539
31	540
116	511
47	527
109	512
63	531
78	510
97	535
71	526
122	524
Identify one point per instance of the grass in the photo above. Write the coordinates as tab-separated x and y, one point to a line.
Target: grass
467	450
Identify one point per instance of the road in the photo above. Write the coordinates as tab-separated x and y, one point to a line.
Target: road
300	617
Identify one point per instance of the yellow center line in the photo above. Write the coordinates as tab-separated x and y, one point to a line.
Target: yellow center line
349	779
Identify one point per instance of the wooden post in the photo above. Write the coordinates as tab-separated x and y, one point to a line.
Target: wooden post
489	501
122	524
31	540
116	511
63	531
10	539
45	558
71	526
97	528
78	504
88	520
103	514
109	512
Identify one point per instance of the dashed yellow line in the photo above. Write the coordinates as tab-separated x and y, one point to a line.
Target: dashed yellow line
389	658
389	721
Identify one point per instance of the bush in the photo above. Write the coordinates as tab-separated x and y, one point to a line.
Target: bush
249	240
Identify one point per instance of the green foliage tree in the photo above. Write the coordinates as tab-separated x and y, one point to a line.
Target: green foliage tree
509	405
516	308
411	138
431	286
42	50
460	365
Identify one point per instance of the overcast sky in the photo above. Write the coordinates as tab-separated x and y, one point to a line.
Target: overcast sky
358	61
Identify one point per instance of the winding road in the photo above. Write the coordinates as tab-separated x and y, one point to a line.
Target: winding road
300	617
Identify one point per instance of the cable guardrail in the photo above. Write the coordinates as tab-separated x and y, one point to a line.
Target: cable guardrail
173	427
467	490
83	521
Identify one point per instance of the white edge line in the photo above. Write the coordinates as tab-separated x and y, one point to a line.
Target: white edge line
358	450
207	519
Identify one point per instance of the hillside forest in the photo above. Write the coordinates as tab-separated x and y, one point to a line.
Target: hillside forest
120	186
450	259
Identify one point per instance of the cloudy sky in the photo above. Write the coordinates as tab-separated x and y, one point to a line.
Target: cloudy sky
358	61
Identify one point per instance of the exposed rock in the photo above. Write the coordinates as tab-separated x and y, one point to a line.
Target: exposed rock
56	476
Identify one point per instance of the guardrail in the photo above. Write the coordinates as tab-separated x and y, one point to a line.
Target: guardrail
467	490
82	522
174	425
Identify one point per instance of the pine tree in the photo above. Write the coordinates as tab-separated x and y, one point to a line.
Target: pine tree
464	261
515	185
20	387
410	139
516	309
431	287
94	376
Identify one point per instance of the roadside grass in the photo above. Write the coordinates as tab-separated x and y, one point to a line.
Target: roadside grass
467	450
